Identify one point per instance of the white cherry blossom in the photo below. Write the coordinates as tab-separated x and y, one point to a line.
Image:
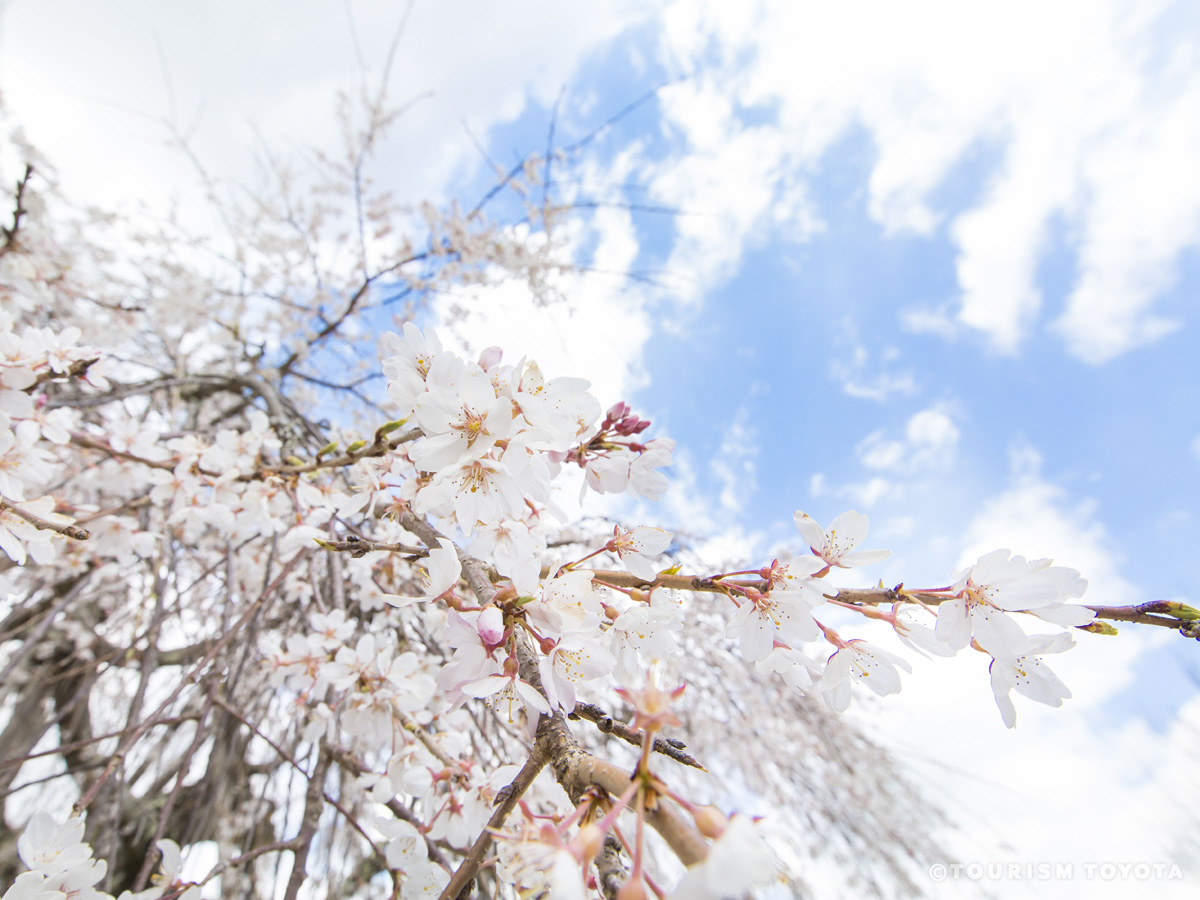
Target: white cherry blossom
573	659
509	695
635	546
836	545
762	618
464	421
406	362
1029	676
737	861
856	660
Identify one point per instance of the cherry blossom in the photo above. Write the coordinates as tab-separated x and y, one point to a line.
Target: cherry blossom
406	362
443	568
796	669
635	546
764	618
644	633
294	569
1028	675
466	420
572	660
737	861
856	660
504	691
836	546
1000	582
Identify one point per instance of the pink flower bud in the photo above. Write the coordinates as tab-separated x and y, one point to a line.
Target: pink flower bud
490	357
711	822
588	842
615	412
490	626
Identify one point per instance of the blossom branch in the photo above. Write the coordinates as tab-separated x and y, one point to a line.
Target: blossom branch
359	547
65	529
460	882
574	768
81	439
379	446
608	725
1166	614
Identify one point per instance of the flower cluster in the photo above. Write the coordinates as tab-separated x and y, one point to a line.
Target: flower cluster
494	435
61	866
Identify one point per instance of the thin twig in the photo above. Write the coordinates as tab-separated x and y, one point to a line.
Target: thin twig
608	725
459	887
66	530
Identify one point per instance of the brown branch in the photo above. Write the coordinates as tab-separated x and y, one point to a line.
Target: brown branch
10	231
332	326
185	765
249	856
308	823
79	745
459	887
76	369
81	439
359	547
134	735
1171	615
378	447
66	530
574	768
344	759
427	742
127	506
608	725
609	869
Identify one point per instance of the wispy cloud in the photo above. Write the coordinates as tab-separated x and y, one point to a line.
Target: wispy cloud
930	440
860	377
1091	108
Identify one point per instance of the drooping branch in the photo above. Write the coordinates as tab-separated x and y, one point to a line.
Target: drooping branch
313	797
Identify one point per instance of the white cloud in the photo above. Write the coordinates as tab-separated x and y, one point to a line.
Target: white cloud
858	381
930	441
940	321
733	465
1091	109
928	445
862	494
233	74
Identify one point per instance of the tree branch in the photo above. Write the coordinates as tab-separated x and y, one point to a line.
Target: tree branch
65	529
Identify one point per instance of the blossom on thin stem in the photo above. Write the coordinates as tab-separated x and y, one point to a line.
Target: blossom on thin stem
635	546
1029	676
1000	582
443	568
836	545
737	861
764	618
862	662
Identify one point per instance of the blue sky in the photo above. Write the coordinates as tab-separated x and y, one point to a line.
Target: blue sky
942	270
